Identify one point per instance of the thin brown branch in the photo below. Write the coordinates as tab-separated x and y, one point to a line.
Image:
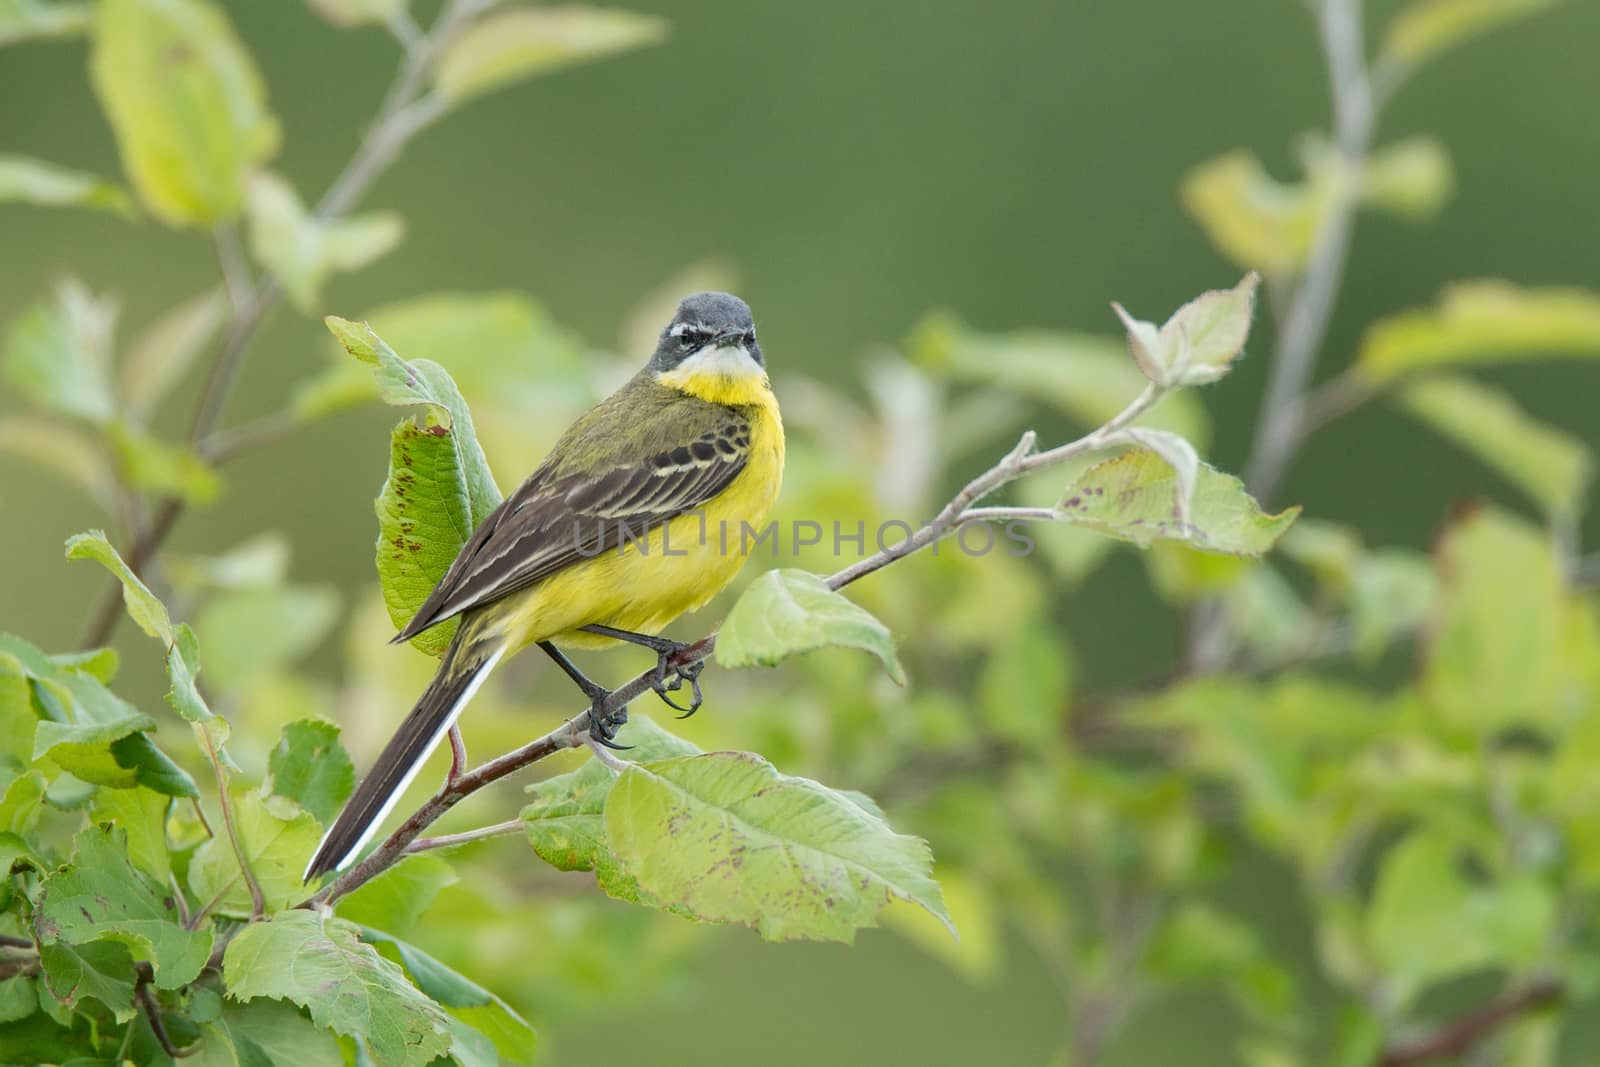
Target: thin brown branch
1464	1033
152	1012
258	902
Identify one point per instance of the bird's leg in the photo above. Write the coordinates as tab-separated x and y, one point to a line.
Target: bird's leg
669	676
601	727
458	756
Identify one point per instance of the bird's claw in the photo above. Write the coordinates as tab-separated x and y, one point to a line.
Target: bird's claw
670	677
603	728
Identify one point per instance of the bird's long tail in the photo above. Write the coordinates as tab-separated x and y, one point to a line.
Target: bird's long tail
465	665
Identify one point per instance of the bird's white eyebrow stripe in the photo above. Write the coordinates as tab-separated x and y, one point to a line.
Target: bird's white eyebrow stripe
684	327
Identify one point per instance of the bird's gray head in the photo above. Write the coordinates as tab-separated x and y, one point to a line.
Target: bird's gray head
704	322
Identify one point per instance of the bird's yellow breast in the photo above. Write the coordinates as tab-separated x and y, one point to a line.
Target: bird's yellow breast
680	566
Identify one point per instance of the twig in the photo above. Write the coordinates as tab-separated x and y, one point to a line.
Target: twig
405	112
1021	460
482	833
258	902
152	1012
11	941
1305	325
458	753
1461	1034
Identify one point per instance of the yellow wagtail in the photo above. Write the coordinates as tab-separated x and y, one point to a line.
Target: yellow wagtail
692	443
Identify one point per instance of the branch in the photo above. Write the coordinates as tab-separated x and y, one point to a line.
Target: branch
574	732
1305	325
1461	1034
406	110
482	833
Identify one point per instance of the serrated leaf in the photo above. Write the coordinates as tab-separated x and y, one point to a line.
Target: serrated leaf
142	816
1495	638
469	1002
276	836
301	250
63	450
524	42
310	767
248	633
1480	322
165	350
438	489
396	899
58	352
149	463
1180	456
99	970
565	819
1203	337
1133	497
186	104
318	962
1552	467
1424	28
357	12
33	181
726	838
1087	377
22	20
101	896
786	612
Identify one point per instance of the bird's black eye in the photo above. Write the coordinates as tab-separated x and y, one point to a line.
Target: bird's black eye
692	338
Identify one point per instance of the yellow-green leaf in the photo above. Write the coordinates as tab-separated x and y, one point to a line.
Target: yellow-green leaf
1424	28
173	469
1480	322
357	12
786	612
301	250
33	181
523	42
22	20
1410	178
63	449
1255	220
58	352
186	104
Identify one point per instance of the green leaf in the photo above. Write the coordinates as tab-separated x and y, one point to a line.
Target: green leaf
142	815
101	896
310	767
33	181
301	250
318	962
63	450
1392	592
1410	178
786	612
357	12
148	463
186	104
1424	28
525	42
153	768
19	804
262	560
1198	341
1134	497
724	837
1481	322
253	632
1423	902
474	1005
1085	376
22	20
280	1034
1495	639
1552	467
395	900
1022	689
143	607
58	353
1253	219
277	837
565	819
164	351
439	487
99	970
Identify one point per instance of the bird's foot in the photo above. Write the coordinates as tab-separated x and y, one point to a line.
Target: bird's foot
670	676
603	727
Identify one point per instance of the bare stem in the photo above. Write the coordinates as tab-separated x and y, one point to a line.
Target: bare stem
258	902
1305	324
1021	460
482	833
1463	1033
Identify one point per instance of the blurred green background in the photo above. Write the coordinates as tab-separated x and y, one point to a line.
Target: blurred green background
856	164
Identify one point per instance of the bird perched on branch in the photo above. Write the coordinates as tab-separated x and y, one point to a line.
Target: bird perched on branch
617	533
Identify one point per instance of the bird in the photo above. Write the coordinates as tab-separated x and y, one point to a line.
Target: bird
633	518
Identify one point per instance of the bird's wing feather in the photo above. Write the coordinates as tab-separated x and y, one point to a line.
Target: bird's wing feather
561	516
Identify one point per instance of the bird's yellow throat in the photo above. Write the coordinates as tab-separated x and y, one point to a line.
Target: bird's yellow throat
726	375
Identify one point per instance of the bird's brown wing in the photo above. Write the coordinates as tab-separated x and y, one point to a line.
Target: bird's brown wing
559	517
